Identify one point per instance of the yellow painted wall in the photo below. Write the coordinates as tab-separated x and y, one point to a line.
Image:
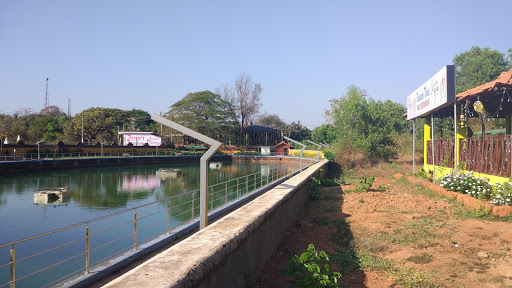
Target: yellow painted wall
427	135
441	171
306	153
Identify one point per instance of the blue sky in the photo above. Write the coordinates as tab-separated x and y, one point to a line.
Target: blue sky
150	54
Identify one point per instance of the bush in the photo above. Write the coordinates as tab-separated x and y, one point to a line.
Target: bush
365	184
371	126
311	269
329	155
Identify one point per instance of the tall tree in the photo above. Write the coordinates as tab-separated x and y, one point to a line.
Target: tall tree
272	121
140	120
324	133
99	123
298	132
52	111
206	113
478	66
245	98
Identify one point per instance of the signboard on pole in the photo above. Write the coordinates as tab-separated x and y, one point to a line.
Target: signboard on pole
436	93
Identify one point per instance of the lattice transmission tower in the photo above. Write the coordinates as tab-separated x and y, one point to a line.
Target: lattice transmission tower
69	107
46	97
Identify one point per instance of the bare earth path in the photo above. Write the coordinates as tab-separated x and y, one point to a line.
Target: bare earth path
398	235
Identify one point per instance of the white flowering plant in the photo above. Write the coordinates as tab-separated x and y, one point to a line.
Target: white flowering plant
467	183
480	188
503	193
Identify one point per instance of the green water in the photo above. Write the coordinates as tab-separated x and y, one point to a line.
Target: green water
96	192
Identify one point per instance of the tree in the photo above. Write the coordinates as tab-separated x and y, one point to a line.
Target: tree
272	121
479	66
99	123
298	132
325	133
140	120
371	126
206	113
245	98
45	127
52	111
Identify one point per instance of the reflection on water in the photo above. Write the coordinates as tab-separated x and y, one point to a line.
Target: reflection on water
45	199
139	183
96	192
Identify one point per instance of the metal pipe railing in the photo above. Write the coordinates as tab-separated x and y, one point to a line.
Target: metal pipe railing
160	153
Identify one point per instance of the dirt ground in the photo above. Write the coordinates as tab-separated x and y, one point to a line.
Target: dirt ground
398	234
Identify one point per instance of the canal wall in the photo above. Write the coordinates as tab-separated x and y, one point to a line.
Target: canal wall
232	251
56	164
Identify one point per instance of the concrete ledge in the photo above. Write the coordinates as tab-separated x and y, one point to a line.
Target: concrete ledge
232	251
468	200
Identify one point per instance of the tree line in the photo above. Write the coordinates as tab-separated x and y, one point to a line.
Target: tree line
222	115
354	120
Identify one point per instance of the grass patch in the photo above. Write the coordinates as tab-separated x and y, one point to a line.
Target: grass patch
373	245
330	197
332	208
358	259
407	277
324	221
423	258
350	257
416	189
459	211
420	233
393	166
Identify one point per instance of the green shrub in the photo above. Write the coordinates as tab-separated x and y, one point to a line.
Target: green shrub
311	269
365	184
329	155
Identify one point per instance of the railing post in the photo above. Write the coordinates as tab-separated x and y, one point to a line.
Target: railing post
261	179
169	215
87	249
237	182
226	200
13	267
135	232
247	185
193	204
211	201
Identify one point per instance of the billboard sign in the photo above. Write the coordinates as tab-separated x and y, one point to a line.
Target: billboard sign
436	93
139	139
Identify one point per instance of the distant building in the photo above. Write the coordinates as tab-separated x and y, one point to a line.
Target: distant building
142	138
256	136
282	148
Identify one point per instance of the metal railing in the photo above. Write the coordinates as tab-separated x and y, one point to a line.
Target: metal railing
73	155
52	257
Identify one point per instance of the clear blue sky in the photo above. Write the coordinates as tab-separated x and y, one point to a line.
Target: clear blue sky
149	54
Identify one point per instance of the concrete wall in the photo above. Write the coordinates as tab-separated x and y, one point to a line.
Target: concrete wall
232	251
43	165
